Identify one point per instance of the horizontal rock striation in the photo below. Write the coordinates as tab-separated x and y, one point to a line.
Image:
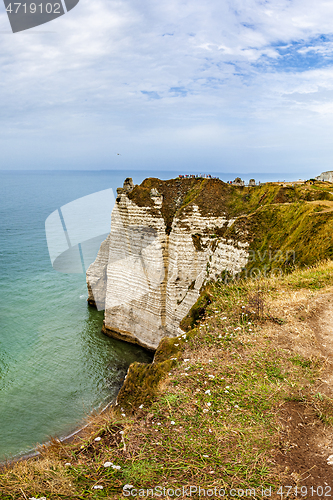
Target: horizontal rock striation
167	240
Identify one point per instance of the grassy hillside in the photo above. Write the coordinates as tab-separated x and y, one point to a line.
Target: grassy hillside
285	225
243	398
236	402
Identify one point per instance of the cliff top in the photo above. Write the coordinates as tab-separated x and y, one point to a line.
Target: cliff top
217	198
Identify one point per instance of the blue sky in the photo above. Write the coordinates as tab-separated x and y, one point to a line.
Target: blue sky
225	85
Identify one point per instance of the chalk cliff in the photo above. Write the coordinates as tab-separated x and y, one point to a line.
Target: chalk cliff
325	176
166	241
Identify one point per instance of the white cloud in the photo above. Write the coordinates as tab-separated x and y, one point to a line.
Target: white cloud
106	78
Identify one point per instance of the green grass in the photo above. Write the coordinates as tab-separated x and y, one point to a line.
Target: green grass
205	412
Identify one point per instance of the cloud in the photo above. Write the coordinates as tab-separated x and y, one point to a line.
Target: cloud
112	73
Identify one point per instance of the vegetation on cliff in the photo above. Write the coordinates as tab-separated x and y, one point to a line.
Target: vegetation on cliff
238	401
283	224
242	398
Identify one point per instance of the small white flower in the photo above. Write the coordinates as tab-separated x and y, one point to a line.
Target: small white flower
207	392
330	460
236	406
243	307
108	464
98	438
121	432
173	422
174	359
123	415
224	318
210	361
209	404
250	330
227	386
211	376
176	345
227	392
68	464
98	487
220	336
141	406
205	410
210	430
187	359
205	456
117	467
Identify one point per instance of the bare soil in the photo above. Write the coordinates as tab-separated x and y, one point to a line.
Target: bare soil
306	442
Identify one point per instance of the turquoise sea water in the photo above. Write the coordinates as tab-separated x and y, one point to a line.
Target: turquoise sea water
55	364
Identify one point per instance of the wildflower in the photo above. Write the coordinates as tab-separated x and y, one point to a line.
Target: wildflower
68	464
210	430
158	423
236	406
176	345
227	386
210	361
250	330
208	404
141	406
123	415
173	422
98	487
187	359
330	460
219	336
205	456
205	410
207	392
98	438
108	464
224	318
211	376
117	467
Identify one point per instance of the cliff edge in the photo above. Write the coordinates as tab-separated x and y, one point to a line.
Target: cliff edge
169	238
166	241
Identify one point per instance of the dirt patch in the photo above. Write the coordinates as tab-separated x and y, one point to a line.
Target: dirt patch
304	448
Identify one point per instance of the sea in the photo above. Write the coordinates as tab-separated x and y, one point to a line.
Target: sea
56	367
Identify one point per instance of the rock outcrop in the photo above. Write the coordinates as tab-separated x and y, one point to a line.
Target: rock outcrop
325	176
166	241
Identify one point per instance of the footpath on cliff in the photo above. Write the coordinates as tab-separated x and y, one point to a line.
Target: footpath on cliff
239	405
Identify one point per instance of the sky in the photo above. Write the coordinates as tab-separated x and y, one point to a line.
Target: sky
214	86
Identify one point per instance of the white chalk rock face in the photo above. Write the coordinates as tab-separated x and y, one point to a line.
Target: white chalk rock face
147	278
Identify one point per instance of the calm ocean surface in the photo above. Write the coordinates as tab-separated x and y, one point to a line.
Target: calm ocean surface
55	365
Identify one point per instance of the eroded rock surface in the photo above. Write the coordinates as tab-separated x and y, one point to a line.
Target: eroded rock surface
166	241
